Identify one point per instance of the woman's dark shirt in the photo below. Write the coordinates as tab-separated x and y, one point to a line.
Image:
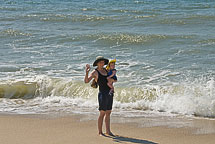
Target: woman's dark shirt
102	82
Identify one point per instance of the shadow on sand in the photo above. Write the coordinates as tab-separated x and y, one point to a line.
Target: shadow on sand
121	139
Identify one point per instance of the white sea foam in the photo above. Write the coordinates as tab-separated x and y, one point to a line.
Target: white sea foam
43	94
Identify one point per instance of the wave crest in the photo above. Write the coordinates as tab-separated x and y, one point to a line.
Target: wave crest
188	98
12	32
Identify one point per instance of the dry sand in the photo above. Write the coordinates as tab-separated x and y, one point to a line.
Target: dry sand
27	129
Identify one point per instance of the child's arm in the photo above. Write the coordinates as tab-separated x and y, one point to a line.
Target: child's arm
113	73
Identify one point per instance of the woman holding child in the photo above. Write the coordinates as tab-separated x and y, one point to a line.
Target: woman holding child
105	95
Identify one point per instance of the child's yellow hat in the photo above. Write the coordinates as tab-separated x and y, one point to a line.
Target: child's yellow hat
111	61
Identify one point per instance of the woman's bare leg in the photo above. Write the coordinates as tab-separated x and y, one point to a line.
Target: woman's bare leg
100	121
107	122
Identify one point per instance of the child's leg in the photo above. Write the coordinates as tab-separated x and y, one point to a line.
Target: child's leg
110	84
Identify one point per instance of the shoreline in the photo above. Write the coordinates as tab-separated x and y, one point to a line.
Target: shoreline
43	129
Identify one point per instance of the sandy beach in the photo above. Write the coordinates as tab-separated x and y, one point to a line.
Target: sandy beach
28	129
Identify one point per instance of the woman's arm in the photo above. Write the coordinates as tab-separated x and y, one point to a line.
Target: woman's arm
87	78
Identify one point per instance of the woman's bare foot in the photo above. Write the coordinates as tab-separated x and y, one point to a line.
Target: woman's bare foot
110	134
101	134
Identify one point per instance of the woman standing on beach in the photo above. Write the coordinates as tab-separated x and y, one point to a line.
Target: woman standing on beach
105	99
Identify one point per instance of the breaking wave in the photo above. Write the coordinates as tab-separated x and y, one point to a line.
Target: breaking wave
194	98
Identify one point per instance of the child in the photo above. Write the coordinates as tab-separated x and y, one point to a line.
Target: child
111	74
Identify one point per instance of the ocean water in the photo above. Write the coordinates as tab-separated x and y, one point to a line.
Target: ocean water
165	53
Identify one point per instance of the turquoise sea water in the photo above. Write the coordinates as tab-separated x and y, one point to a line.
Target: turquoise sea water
165	53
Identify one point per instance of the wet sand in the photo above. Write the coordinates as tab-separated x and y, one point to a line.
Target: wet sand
28	129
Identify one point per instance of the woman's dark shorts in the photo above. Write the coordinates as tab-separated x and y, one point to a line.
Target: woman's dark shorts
105	101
